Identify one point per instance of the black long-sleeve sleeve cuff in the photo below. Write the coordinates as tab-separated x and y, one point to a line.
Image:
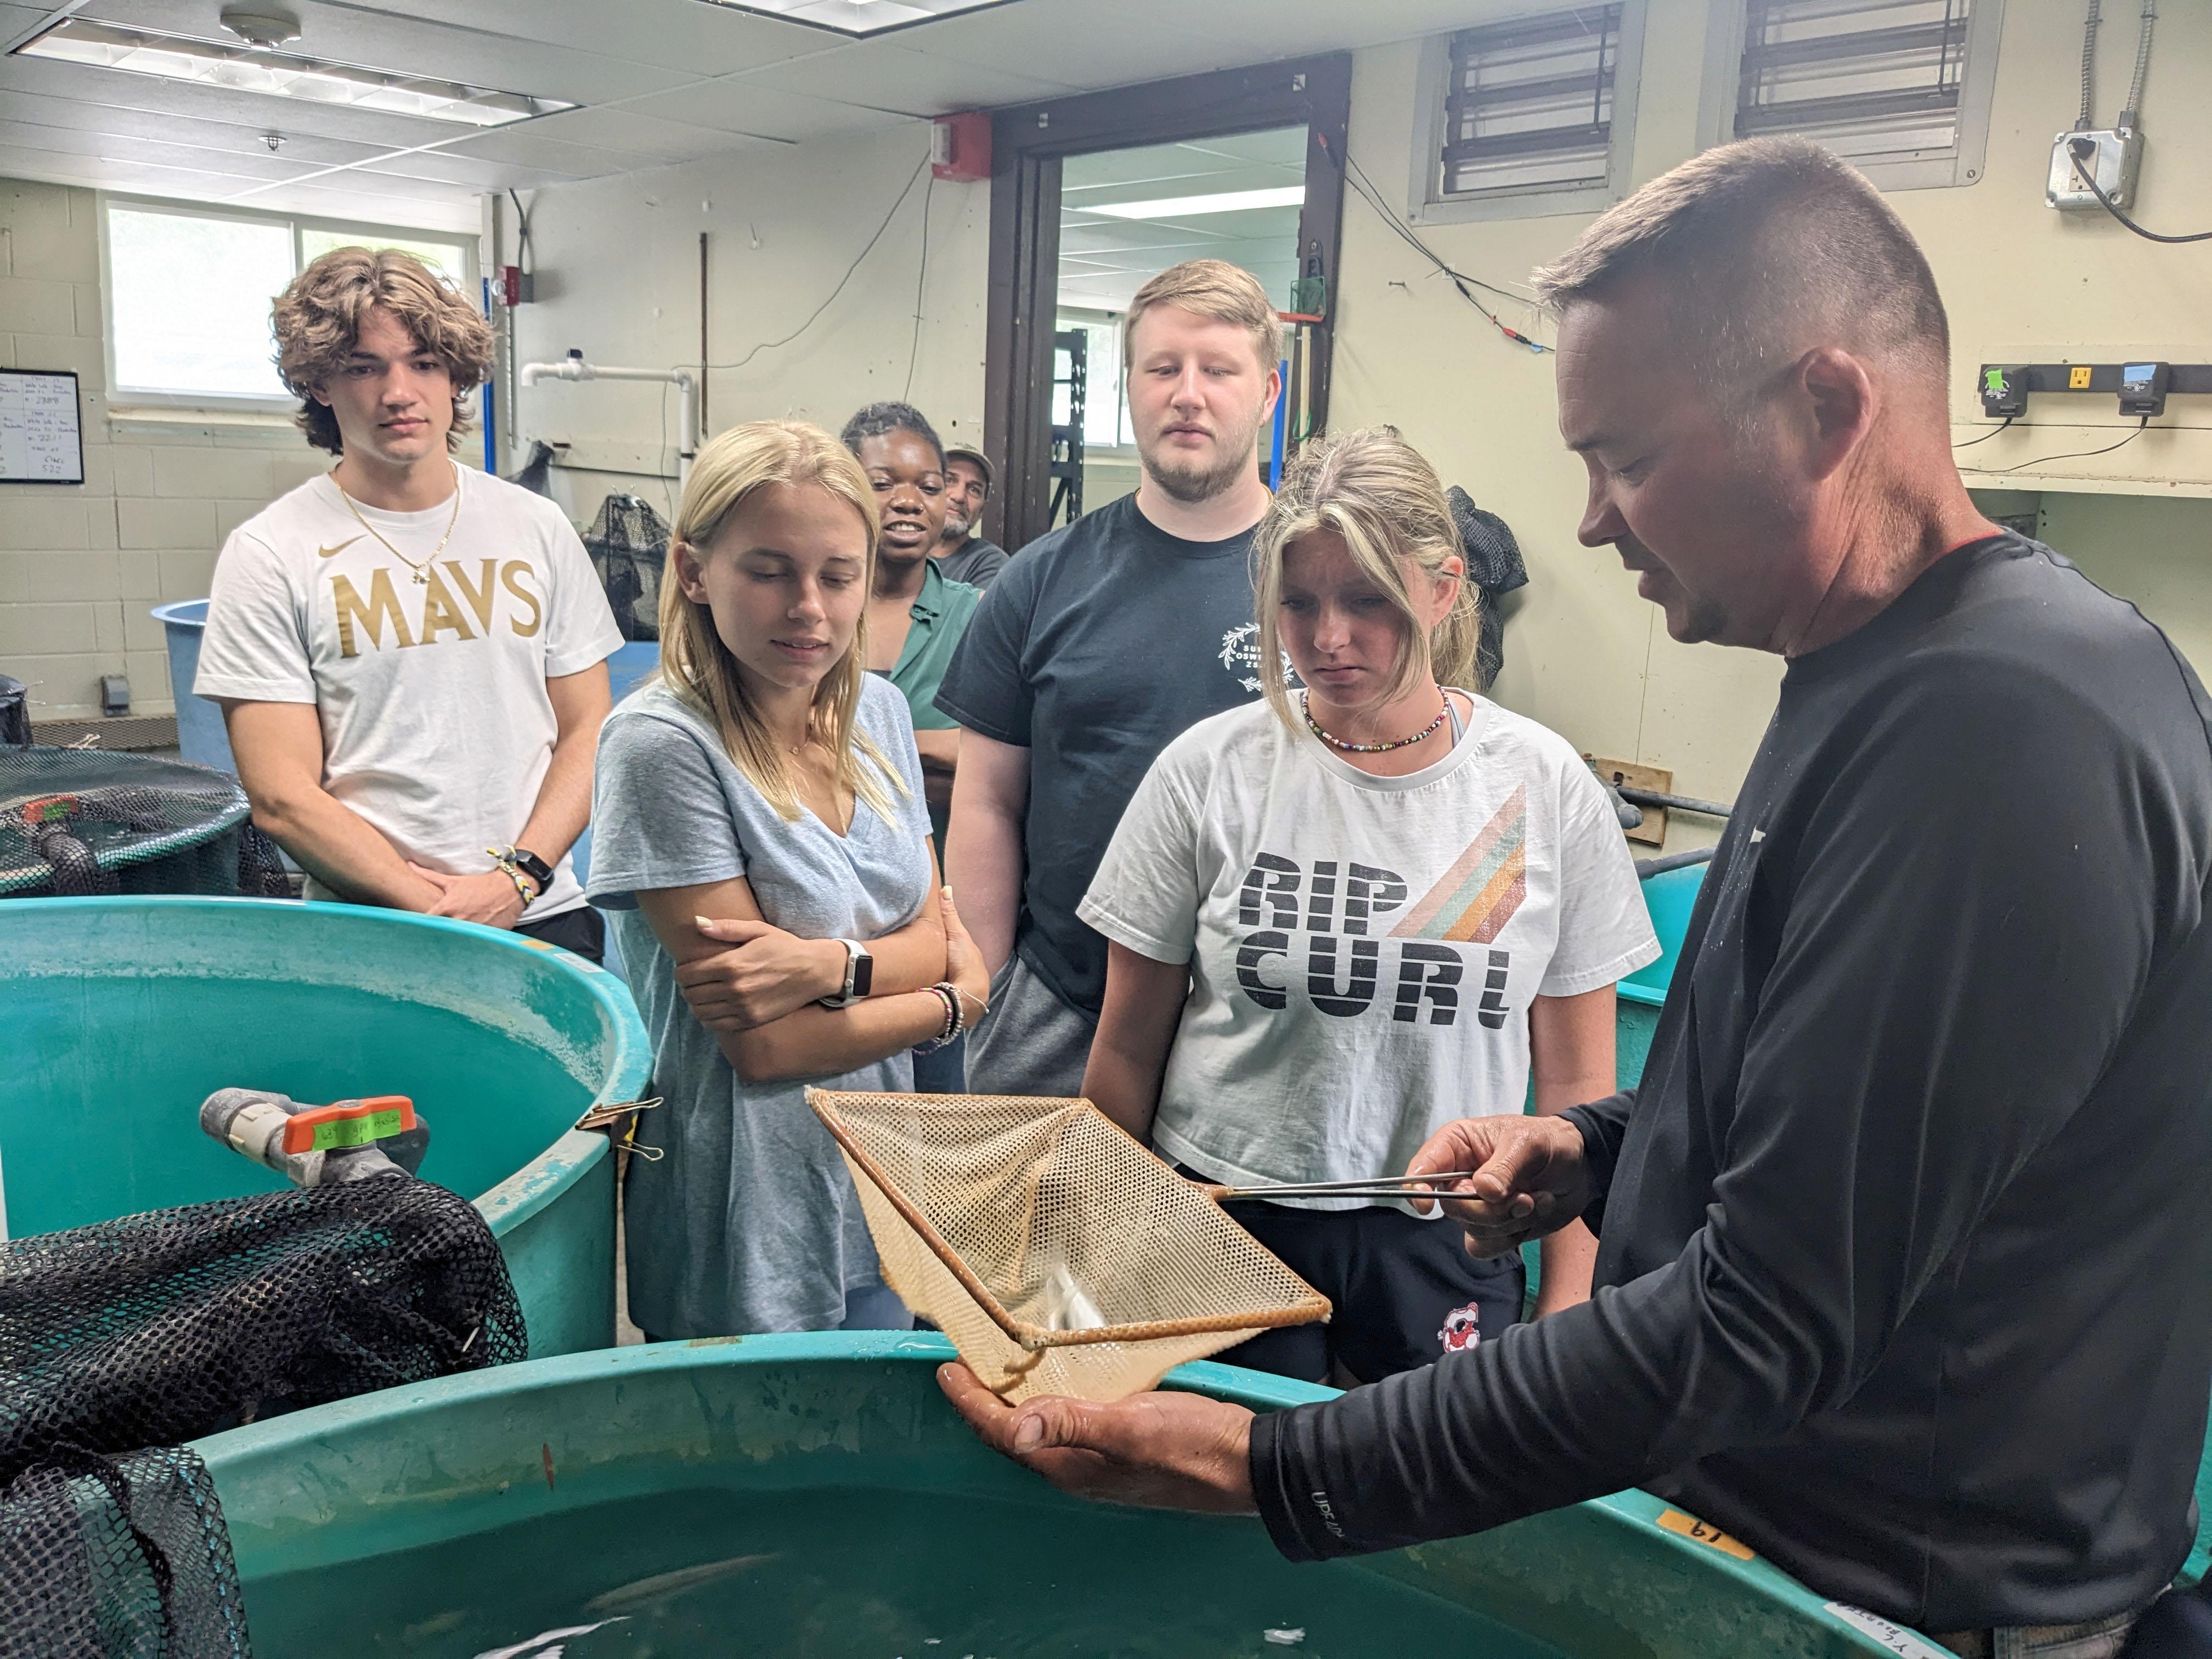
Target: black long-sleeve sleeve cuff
1604	1125
1300	1523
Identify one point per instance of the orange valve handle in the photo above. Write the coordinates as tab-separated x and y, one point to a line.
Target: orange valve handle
346	1124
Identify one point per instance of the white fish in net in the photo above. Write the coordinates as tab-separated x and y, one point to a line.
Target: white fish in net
1063	1304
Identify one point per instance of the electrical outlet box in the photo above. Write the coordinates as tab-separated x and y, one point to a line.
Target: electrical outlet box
2119	157
2004	391
2143	387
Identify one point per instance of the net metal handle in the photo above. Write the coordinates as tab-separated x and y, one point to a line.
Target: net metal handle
1364	1187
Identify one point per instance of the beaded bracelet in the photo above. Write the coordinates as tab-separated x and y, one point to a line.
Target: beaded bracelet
955	1016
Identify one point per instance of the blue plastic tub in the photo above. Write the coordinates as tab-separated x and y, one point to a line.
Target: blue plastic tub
200	735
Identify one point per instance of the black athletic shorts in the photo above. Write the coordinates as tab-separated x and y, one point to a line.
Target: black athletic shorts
1405	1291
582	930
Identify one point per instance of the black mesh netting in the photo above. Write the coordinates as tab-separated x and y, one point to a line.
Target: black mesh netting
161	1327
103	1556
629	544
75	822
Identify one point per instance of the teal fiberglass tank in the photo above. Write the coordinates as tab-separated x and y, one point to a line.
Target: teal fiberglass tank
123	1014
814	1495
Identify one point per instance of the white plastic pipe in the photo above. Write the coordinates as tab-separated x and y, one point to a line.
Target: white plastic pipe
574	367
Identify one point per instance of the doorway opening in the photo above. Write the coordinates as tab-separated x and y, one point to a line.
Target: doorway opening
1091	197
1126	216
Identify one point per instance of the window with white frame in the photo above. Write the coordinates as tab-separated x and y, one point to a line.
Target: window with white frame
189	290
1530	115
1899	88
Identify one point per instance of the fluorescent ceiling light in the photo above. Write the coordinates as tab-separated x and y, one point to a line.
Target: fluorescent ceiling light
1184	207
285	74
857	18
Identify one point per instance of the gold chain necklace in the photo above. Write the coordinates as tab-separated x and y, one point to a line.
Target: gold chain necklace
418	569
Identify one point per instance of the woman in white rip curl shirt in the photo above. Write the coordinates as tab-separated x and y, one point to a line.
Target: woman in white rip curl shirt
1340	919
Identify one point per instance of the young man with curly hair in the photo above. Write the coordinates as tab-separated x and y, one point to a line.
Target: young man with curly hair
411	656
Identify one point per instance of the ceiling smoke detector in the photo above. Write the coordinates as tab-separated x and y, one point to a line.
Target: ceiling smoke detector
262	26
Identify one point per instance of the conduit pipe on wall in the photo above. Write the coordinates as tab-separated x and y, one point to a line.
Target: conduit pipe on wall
574	367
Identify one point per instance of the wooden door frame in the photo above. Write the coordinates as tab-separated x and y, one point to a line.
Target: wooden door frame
1027	143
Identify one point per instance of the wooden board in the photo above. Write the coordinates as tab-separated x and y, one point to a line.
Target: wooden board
1652	832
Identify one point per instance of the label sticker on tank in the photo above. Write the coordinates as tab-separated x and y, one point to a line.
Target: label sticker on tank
347	1131
1706	1533
1895	1638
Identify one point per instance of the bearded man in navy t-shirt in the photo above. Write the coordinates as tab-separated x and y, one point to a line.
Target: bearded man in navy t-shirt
1102	643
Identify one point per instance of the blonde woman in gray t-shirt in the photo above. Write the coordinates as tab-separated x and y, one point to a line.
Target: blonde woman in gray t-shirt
1342	917
763	846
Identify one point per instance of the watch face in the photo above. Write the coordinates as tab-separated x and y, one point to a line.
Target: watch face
535	868
864	973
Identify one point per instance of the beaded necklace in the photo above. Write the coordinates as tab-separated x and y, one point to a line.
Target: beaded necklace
1372	748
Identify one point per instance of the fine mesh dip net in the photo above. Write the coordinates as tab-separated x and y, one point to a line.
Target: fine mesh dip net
1058	1254
79	821
119	1340
628	543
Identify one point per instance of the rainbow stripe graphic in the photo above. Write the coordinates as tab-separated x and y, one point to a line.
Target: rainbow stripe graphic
1478	896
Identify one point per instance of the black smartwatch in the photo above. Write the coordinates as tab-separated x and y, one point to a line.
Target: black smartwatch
859	975
534	867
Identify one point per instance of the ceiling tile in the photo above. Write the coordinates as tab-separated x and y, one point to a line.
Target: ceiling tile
185	184
63	167
223	136
360	196
631	131
17	21
247	169
1082	43
520	62
889	76
471	173
684	35
99	88
527	146
747	105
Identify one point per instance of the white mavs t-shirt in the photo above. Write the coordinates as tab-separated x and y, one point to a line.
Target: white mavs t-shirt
430	686
1362	950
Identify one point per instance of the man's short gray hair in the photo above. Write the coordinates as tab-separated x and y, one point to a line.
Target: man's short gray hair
1761	249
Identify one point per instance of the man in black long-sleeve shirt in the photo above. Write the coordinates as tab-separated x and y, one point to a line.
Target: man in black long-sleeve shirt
1902	1273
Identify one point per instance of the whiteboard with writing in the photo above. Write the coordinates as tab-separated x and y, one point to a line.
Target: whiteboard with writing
41	438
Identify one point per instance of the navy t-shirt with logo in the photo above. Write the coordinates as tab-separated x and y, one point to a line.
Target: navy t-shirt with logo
1094	650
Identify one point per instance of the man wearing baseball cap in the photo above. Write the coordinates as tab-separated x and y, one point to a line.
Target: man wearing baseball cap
962	555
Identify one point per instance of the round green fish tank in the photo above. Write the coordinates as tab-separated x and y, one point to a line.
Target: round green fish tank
814	1495
124	1013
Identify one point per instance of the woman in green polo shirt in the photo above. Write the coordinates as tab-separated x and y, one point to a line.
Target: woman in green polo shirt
915	617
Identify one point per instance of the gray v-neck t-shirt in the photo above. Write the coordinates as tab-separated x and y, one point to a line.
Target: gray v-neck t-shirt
749	1222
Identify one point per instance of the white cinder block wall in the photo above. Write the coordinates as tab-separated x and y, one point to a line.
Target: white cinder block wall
82	566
